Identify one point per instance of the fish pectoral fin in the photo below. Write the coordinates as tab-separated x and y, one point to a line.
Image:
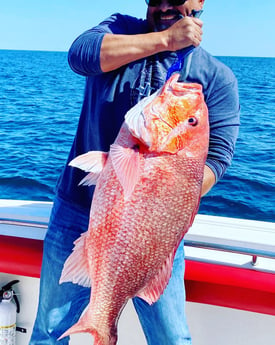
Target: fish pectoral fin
126	162
152	291
75	268
92	162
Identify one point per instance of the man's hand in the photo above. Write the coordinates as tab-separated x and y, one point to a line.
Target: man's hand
184	33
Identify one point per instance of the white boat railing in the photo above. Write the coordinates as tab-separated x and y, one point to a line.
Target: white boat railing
231	249
190	240
31	224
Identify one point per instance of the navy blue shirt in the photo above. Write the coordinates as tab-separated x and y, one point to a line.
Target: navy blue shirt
108	96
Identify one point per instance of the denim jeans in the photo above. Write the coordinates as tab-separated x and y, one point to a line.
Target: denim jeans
60	306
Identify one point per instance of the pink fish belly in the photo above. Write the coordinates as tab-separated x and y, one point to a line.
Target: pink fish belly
129	241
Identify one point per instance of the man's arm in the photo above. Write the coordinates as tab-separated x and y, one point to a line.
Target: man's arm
119	50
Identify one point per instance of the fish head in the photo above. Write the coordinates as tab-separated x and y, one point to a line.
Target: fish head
172	120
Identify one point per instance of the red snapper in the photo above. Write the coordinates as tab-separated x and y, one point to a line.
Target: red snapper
147	194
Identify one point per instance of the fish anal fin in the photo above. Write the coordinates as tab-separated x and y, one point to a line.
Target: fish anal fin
126	162
155	288
75	268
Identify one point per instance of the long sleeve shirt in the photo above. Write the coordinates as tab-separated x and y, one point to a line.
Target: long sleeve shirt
108	96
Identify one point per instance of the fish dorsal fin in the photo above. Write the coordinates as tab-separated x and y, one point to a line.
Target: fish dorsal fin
152	292
92	162
89	180
75	268
126	163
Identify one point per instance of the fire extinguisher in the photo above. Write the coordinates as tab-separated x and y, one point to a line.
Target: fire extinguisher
9	306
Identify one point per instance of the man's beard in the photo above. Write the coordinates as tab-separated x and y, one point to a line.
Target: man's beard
162	24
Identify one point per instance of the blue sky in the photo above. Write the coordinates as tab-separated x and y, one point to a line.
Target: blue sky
233	28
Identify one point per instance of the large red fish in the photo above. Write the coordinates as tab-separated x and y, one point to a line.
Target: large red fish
147	193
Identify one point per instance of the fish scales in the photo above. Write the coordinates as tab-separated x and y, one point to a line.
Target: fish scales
144	202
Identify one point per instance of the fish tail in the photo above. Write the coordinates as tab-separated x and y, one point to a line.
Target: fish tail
77	328
85	325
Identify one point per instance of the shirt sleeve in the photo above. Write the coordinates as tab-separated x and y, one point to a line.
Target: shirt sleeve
224	118
84	54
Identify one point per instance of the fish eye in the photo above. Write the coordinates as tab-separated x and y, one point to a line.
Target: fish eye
192	121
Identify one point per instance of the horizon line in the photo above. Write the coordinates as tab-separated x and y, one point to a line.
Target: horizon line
65	51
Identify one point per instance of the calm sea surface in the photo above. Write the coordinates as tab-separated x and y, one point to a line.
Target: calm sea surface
40	102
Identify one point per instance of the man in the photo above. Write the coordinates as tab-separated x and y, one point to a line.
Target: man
124	60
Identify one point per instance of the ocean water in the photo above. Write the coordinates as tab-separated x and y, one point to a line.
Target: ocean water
40	103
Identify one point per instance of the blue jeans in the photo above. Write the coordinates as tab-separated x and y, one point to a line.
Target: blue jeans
60	306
